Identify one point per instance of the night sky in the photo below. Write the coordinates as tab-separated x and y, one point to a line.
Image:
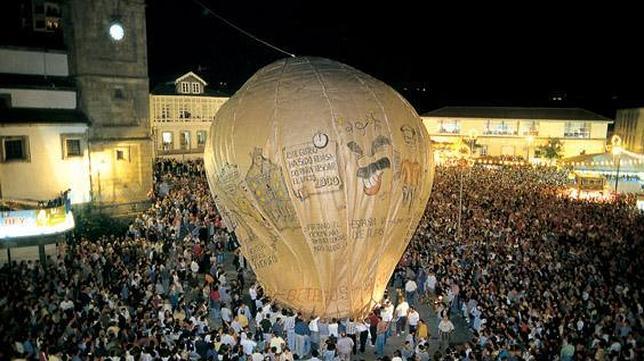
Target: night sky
461	55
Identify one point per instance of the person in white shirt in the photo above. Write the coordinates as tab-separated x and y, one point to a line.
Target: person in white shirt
333	328
227	339
401	316
277	342
315	333
247	344
226	314
412	320
362	332
387	312
410	291
66	305
430	283
445	328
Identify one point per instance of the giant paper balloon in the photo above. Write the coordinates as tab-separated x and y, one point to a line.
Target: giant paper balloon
324	173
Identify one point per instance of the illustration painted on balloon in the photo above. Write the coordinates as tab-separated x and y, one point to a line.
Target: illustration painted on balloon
266	183
372	165
410	175
230	181
410	136
312	169
360	125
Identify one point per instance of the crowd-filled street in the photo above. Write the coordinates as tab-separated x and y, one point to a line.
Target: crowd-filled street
530	275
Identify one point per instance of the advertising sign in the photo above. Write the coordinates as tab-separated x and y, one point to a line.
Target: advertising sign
36	222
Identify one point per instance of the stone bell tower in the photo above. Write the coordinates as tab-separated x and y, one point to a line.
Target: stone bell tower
106	41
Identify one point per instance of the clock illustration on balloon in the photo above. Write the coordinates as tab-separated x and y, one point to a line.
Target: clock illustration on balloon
320	140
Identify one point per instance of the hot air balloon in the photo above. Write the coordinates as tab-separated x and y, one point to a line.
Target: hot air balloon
323	172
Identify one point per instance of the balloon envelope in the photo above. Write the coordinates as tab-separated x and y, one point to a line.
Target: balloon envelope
324	173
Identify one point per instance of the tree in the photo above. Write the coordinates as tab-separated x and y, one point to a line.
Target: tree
552	149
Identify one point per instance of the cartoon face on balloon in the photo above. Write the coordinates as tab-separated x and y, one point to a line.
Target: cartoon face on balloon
371	165
323	173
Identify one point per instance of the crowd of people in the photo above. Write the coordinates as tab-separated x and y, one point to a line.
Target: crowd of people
537	276
531	275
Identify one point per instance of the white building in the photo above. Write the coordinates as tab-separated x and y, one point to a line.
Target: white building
181	112
43	137
518	131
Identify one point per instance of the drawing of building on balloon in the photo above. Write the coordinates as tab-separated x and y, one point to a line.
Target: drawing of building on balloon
266	182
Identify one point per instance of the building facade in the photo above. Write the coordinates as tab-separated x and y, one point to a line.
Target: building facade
181	113
629	125
517	131
74	99
108	59
43	136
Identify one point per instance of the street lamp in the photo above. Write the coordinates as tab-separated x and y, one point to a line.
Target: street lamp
616	142
101	166
617	152
471	137
529	139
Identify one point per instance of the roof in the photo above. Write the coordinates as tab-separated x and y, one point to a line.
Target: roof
629	161
169	88
41	115
190	74
517	113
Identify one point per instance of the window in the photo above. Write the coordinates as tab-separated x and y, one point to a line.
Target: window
450	126
183	112
201	138
196	88
184	140
5	101
15	149
53	24
165	112
577	130
529	127
501	127
185	87
120	154
72	145
73	148
119	93
166	140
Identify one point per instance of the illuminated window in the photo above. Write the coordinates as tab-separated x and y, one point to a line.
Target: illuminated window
196	88
529	127
451	126
184	140
15	148
501	127
201	138
166	140
577	130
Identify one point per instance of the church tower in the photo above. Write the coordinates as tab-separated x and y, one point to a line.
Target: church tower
106	41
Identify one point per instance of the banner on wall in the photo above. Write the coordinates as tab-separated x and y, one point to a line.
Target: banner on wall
35	222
